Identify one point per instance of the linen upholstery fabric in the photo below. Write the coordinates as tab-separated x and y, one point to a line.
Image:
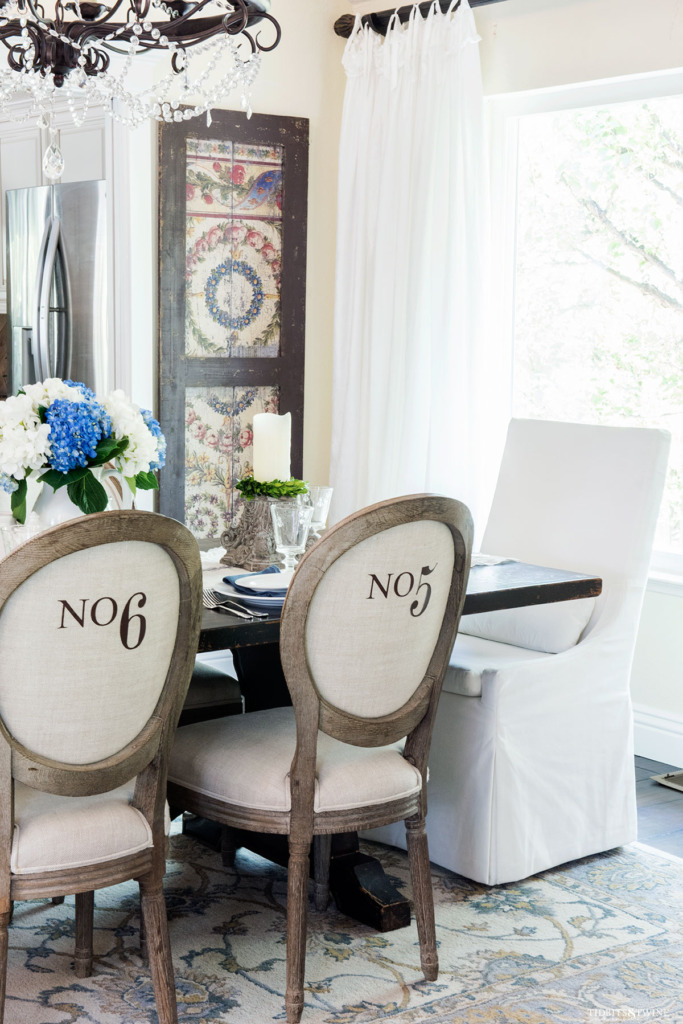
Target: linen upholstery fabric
536	768
246	761
545	627
59	832
370	589
85	672
472	658
211	686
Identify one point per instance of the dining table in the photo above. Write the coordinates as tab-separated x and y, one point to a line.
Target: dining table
358	883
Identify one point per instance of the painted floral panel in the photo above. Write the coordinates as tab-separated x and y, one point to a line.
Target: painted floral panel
233	249
218	452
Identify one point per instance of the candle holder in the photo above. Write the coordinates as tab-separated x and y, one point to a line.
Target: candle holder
251	543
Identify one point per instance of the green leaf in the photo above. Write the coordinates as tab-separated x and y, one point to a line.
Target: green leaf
250	488
89	494
18	502
108	448
42	412
130	480
54	479
147	481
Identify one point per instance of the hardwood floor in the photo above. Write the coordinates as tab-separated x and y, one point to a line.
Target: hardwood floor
660	809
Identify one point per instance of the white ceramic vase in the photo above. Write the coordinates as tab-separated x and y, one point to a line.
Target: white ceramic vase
55	507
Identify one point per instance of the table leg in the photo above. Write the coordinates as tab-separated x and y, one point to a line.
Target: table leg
260	677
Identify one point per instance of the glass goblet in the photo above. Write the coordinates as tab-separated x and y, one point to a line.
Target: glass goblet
291	523
320	498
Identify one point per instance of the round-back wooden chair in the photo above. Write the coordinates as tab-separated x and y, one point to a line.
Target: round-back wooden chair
367	629
99	622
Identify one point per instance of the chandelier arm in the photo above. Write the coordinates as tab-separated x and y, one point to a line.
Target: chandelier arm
199	30
141	8
240	14
84	26
33	8
278	34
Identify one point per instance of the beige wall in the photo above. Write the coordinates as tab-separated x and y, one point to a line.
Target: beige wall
304	77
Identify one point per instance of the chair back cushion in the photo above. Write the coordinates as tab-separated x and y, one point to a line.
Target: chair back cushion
86	645
375	617
580	497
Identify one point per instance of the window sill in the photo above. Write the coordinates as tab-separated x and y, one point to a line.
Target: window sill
665	583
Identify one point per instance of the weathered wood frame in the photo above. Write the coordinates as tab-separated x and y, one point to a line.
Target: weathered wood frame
145	757
414	720
176	371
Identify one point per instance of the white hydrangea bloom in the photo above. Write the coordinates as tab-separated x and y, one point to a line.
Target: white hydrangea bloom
48	391
127	421
24	440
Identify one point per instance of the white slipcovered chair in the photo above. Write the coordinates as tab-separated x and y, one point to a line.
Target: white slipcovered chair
532	755
99	621
392	577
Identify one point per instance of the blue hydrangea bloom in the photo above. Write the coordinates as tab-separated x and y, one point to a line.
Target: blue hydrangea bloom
82	388
75	429
7	483
155	431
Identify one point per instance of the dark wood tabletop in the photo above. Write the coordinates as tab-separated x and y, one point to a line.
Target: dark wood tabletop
490	588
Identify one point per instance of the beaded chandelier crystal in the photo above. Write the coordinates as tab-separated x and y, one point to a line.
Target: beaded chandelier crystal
65	52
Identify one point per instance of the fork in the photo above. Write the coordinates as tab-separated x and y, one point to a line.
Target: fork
230	602
210	600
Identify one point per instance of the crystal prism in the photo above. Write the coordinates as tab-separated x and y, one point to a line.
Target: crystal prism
53	162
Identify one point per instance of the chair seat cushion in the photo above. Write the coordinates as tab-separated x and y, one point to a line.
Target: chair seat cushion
473	657
52	833
245	761
551	628
211	686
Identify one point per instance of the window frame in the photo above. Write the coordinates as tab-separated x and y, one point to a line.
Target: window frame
504	112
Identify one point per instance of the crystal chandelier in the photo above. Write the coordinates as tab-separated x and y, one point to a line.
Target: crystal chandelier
214	48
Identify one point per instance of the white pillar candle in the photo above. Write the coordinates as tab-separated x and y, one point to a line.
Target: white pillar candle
272	446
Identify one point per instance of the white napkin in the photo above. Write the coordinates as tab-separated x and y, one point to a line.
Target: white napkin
211	559
478	558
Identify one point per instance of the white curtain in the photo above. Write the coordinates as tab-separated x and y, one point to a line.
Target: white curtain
410	341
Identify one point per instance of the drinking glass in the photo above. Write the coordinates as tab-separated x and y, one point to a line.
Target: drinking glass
320	498
291	523
12	536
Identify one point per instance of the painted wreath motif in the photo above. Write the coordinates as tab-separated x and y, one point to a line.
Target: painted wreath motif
211	289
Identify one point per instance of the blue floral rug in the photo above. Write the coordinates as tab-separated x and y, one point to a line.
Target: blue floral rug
599	939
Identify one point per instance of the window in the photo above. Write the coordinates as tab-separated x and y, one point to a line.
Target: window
595	180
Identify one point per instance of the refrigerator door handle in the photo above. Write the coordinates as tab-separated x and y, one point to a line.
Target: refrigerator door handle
35	337
44	299
64	336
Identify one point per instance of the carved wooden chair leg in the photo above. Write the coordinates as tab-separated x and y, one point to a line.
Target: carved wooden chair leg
143	932
159	948
85	906
4	924
322	849
228	846
56	900
298	869
423	896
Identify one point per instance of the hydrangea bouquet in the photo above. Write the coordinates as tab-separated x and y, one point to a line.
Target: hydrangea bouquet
60	431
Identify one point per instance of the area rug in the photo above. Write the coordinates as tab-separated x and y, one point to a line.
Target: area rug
599	939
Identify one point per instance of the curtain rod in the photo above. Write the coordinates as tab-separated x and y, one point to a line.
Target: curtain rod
379	22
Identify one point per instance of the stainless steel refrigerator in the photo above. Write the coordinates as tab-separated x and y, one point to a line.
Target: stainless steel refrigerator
57	301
